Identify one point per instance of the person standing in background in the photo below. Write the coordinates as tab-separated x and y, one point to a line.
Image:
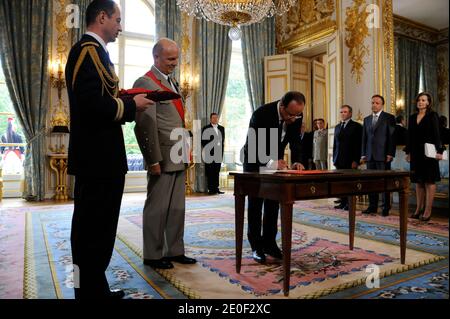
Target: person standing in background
378	148
213	133
320	145
423	128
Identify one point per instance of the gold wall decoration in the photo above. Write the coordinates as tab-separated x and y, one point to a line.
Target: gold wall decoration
356	33
388	33
304	21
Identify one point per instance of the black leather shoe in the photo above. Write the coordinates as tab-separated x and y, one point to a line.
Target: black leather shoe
259	256
212	193
116	294
220	192
275	252
337	201
369	211
340	206
158	263
182	259
385	212
346	208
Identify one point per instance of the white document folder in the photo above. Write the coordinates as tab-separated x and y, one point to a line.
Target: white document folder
430	151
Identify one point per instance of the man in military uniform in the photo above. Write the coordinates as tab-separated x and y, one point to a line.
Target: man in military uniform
96	114
164	210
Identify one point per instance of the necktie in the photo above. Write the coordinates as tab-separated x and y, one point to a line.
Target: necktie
374	119
172	83
282	129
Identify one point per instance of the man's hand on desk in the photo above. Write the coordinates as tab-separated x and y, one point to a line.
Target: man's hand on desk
298	167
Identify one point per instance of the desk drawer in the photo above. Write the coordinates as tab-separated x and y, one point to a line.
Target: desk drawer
395	184
357	187
311	190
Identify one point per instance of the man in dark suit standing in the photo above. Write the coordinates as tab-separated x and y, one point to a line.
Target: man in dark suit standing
378	148
213	139
301	147
400	132
96	114
274	126
347	145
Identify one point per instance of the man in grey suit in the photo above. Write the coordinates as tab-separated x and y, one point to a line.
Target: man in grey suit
164	210
378	148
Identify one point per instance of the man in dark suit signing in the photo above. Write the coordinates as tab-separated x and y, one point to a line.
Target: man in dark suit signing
97	114
213	139
378	148
272	125
347	145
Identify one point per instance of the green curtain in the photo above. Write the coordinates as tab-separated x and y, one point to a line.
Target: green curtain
429	65
407	72
24	43
77	33
213	66
168	23
258	41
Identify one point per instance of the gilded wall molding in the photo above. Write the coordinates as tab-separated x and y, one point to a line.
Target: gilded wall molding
305	22
388	32
356	33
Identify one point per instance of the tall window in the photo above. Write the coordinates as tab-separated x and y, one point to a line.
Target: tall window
6	107
132	52
237	111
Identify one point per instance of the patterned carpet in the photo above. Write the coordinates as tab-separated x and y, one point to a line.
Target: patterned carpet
35	259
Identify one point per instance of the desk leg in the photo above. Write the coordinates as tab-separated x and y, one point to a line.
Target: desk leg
239	204
286	237
403	199
351	220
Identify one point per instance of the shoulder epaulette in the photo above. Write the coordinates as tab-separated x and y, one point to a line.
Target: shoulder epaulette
90	43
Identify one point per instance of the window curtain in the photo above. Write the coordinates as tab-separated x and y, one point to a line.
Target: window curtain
24	42
407	73
429	65
258	41
77	33
213	66
168	23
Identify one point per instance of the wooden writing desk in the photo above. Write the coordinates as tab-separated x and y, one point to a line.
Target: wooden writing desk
287	188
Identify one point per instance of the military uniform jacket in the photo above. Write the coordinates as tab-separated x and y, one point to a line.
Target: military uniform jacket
154	126
96	145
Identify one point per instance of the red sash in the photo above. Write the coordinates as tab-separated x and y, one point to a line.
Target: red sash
178	102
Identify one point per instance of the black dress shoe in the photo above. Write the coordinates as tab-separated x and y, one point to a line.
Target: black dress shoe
369	211
182	259
416	216
275	252
346	208
259	256
212	193
425	219
158	263
116	294
385	212
220	192
337	201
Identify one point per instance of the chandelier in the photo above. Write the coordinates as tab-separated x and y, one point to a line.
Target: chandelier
235	13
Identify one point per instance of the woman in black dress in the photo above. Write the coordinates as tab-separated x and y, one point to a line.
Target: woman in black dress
423	127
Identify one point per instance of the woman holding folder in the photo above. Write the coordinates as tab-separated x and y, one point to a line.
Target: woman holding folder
423	127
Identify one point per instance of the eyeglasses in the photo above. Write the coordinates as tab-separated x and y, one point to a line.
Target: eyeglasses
290	116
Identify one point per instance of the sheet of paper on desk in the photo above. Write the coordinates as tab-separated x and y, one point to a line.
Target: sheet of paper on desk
311	172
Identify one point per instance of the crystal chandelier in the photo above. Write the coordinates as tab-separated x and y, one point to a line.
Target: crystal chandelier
235	13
